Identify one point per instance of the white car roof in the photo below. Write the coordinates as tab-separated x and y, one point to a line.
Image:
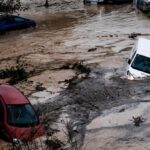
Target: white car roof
143	47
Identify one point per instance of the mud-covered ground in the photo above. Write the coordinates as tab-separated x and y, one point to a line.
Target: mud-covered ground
78	55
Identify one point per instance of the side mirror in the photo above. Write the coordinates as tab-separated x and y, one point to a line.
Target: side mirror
129	61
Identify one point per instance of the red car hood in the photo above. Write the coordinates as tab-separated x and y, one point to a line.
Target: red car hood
24	134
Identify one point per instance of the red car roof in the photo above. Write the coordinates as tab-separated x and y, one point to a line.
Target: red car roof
11	95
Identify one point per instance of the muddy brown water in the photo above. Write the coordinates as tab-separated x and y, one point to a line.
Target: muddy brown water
66	36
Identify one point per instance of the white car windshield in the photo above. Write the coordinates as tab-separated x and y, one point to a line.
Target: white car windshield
141	63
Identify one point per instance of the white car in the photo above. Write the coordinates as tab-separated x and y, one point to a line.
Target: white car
139	61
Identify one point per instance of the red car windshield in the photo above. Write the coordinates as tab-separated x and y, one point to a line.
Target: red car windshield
21	115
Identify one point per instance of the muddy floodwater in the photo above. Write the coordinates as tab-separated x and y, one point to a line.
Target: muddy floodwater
97	38
65	37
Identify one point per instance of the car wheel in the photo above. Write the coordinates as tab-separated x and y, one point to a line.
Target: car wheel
3	134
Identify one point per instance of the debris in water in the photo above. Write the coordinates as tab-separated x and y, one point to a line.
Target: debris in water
78	66
82	72
138	120
134	35
14	74
122	110
92	49
39	87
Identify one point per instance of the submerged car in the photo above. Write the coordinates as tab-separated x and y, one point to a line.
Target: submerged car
139	61
18	119
106	1
10	22
143	5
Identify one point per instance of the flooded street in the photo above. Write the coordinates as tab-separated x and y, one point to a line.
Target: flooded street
96	38
64	37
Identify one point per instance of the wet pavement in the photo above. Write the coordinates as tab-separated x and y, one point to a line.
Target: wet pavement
97	36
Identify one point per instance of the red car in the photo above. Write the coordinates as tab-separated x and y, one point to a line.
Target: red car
18	119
